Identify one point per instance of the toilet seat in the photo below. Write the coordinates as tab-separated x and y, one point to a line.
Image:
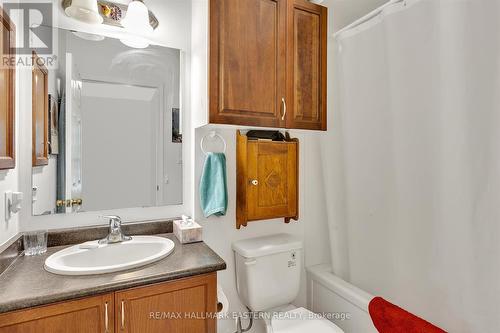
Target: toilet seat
301	320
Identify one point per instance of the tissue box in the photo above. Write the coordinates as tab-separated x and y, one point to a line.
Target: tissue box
188	234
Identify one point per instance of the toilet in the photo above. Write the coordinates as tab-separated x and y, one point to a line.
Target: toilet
268	273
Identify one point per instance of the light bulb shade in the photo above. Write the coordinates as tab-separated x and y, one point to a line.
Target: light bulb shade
136	19
85	11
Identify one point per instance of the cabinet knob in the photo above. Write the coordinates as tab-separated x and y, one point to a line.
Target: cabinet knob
254	182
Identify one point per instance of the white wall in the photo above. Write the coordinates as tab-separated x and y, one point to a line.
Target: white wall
347	11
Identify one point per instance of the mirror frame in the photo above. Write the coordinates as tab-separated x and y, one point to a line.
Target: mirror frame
40	154
8	161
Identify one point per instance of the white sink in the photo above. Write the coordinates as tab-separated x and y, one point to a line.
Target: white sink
92	258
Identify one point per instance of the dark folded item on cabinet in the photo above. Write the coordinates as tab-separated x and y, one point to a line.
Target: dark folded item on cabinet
265	135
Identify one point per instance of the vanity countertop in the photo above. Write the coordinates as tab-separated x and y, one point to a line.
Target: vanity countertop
26	283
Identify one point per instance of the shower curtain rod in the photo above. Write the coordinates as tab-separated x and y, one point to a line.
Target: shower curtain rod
368	16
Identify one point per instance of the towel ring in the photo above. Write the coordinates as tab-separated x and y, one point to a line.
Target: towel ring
212	135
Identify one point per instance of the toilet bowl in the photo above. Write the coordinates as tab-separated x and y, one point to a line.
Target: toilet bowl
268	273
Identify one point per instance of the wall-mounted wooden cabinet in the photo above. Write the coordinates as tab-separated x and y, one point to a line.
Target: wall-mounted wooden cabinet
40	111
186	305
268	63
7	92
267	180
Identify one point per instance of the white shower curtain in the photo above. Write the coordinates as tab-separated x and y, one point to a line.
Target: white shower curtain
412	163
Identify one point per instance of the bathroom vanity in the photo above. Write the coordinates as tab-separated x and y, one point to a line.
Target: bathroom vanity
175	294
158	307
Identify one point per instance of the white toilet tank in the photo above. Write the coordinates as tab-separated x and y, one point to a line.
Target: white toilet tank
268	270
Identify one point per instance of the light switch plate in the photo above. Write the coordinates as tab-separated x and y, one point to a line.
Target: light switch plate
13	201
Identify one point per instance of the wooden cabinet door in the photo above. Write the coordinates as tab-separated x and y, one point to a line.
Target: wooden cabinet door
88	315
247	81
181	306
40	111
273	175
307	61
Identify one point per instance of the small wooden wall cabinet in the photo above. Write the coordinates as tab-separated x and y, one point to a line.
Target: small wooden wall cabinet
179	306
267	180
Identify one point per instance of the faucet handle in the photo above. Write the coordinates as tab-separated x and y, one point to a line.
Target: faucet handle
112	218
115	231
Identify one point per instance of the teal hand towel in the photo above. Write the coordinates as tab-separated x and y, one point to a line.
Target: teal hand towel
213	185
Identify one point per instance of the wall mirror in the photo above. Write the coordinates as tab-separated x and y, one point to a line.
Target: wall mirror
114	127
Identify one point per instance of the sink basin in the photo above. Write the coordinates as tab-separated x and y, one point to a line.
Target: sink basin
92	258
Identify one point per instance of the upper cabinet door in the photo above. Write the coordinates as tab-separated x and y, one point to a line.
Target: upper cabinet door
307	61
7	92
247	62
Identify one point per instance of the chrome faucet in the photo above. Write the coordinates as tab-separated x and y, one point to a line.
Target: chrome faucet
115	231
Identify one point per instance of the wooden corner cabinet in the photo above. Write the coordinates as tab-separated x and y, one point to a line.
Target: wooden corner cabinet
267	63
267	180
179	306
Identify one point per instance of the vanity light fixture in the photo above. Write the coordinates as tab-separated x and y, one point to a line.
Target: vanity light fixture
85	11
136	23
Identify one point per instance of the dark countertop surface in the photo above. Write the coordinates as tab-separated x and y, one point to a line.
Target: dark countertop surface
26	283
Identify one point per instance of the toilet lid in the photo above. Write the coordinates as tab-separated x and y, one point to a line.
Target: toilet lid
302	320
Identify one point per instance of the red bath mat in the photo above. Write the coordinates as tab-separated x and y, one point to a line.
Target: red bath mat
389	318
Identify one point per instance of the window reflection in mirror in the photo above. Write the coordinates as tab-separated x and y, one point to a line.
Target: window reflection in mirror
115	128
